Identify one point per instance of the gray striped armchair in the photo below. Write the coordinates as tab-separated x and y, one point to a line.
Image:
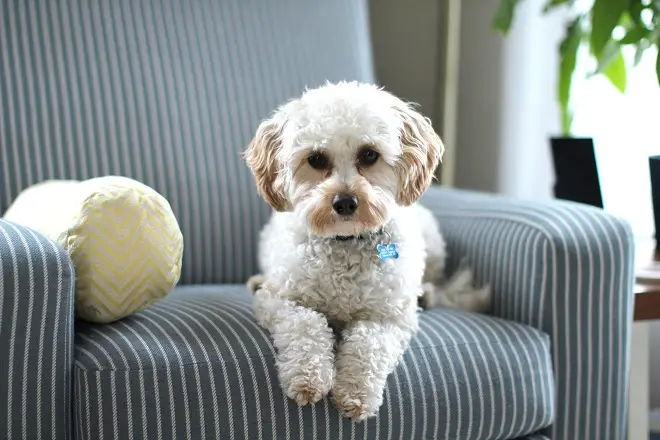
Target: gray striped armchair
169	92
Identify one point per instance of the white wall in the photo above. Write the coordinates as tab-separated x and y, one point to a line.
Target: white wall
506	105
409	45
416	57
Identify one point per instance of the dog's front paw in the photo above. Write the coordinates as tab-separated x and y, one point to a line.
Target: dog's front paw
353	402
309	385
307	390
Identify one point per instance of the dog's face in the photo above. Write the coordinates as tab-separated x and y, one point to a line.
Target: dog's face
342	156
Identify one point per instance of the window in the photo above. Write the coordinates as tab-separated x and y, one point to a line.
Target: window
626	131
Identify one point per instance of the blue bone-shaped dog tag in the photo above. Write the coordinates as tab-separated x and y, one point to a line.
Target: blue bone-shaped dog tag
387	251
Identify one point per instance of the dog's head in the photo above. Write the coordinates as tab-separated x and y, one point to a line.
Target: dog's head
343	156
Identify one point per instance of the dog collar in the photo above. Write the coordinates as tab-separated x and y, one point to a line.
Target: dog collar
348	237
386	251
358	237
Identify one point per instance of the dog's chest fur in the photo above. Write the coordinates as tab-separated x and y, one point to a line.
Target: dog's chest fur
347	280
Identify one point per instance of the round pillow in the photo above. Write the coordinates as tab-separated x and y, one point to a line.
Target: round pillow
123	239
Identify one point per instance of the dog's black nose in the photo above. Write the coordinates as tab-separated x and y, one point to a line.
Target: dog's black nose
345	204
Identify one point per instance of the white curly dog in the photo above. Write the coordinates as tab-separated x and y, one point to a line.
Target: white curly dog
347	246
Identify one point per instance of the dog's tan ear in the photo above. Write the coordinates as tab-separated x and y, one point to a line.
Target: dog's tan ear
422	151
261	158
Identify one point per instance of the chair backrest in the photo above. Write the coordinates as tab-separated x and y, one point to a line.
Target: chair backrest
168	92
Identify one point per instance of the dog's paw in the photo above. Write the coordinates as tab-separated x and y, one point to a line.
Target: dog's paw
353	403
255	282
307	378
307	390
309	385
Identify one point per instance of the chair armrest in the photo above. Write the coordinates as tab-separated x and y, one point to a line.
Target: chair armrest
36	335
566	269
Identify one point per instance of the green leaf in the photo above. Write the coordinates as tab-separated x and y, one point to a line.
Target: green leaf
616	72
551	4
568	55
609	53
605	15
657	67
634	35
613	66
504	15
635	11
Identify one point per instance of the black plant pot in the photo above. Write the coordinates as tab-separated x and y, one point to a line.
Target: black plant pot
576	172
654	168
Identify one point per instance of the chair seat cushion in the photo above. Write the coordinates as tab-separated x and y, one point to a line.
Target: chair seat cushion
197	365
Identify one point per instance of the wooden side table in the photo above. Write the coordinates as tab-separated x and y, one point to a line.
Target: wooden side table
647	287
647	308
647	302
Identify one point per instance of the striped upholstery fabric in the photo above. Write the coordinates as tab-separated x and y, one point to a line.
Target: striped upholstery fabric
567	270
36	336
166	92
197	365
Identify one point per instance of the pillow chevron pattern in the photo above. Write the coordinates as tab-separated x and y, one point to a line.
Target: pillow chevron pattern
122	236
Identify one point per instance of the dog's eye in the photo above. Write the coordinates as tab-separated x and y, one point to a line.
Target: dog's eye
318	161
368	157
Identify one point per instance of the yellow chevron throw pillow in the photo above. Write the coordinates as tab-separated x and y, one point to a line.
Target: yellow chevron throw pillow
122	236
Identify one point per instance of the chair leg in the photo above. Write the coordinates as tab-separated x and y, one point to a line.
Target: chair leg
638	406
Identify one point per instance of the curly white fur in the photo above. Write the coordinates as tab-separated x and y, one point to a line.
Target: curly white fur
321	269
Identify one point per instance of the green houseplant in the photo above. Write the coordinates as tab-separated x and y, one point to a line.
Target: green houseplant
605	28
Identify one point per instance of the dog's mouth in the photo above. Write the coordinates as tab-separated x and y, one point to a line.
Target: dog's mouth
345	226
